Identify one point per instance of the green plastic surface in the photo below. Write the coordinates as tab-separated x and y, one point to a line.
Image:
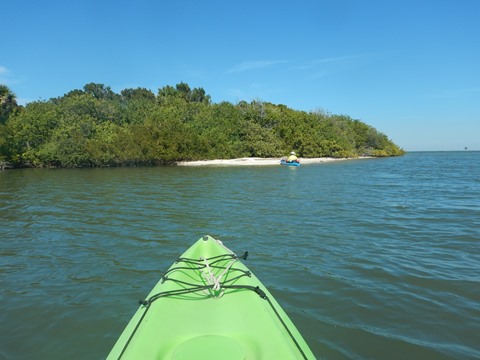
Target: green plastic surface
223	324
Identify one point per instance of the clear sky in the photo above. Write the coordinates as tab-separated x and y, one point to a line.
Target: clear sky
409	68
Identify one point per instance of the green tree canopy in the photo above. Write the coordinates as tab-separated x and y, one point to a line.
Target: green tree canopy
95	126
8	103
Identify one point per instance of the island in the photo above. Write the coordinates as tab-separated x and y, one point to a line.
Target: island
96	127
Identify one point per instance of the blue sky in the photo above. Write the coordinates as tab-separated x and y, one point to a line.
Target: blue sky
409	68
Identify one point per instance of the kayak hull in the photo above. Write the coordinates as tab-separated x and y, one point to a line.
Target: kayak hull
210	306
286	163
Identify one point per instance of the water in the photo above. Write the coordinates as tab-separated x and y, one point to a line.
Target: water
372	259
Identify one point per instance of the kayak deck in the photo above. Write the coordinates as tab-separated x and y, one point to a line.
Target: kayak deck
210	306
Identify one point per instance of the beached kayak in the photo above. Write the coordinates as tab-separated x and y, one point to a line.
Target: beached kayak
286	163
208	305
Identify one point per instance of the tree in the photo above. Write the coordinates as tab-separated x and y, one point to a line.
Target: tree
137	94
101	109
8	103
33	127
137	104
183	90
198	95
166	93
99	91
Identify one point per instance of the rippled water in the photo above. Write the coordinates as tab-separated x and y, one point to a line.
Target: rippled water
372	259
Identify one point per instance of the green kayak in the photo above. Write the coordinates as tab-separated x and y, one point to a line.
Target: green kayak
208	305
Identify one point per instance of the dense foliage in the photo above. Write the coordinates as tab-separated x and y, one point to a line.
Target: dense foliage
98	127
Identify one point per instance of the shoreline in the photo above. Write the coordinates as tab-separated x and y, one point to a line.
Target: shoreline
255	161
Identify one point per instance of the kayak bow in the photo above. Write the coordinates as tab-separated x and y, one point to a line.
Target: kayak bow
209	305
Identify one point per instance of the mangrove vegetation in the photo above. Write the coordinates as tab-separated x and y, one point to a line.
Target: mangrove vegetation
96	127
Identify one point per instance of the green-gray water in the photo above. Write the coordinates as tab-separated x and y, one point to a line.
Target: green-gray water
372	259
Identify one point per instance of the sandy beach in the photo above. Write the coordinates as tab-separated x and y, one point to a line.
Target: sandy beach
253	161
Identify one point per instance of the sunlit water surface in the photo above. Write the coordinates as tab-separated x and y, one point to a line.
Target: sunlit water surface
372	259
